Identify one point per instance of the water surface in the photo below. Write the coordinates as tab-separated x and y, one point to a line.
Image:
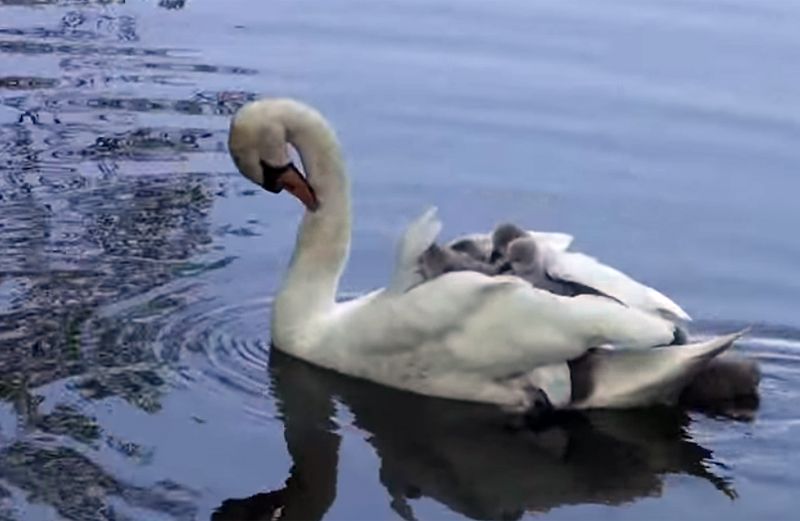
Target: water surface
137	268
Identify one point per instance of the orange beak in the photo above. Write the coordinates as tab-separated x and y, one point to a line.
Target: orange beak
298	186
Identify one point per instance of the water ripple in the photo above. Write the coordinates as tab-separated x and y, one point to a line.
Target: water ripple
208	346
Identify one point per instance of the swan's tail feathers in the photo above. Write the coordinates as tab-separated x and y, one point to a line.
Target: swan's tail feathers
641	377
419	236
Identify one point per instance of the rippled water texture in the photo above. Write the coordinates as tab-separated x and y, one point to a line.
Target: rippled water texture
137	268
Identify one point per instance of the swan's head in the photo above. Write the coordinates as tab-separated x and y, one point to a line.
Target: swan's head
523	253
502	237
259	145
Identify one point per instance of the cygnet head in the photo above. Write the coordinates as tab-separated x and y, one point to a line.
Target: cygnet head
502	237
258	142
523	253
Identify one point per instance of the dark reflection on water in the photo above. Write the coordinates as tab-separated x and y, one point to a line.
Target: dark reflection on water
78	233
465	456
78	488
132	236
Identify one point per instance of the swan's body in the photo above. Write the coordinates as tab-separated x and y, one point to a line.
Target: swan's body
463	335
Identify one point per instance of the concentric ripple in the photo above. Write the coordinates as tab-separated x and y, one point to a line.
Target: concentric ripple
222	345
223	348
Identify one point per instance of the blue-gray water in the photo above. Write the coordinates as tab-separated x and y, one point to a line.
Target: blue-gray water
137	267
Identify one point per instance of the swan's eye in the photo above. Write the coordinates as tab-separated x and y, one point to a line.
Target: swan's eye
271	176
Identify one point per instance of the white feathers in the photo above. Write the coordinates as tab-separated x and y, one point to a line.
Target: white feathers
586	270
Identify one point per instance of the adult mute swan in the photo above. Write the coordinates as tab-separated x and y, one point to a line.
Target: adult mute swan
463	335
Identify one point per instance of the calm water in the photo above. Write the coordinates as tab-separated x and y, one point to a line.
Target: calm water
137	268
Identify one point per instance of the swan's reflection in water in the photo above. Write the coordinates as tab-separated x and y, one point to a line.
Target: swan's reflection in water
464	455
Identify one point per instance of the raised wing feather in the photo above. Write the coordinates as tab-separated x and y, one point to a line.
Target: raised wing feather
418	237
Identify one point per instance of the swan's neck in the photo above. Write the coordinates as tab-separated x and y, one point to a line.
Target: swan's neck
323	240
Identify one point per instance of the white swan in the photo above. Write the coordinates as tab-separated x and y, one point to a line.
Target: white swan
463	335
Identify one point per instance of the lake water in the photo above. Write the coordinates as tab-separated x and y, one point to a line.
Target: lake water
137	267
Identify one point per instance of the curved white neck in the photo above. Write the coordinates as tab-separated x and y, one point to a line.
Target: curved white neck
323	240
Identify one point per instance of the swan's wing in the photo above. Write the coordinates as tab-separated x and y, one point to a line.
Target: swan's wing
588	271
497	325
419	236
483	241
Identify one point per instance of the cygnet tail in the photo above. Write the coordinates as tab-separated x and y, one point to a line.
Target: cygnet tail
640	377
419	236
